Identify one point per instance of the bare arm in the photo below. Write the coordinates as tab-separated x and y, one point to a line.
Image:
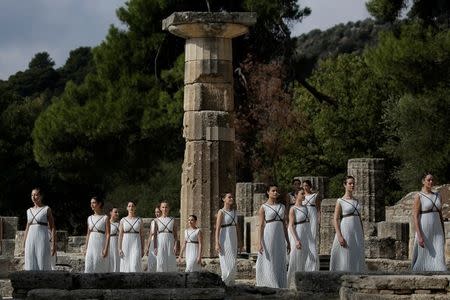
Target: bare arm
262	224
175	236
337	224
183	246
298	244
25	235
155	239
120	238
286	235
417	207
441	218
217	231
87	237
51	224
107	235
200	241
141	235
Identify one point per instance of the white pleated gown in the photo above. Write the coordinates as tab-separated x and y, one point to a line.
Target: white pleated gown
131	261
191	238
432	256
304	259
228	243
94	261
310	203
114	258
37	244
352	258
165	258
151	262
271	264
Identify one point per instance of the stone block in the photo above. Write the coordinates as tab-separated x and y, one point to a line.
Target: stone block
8	248
251	234
76	243
369	177
203	280
19	243
166	293
208	71
28	280
208	49
204	179
380	248
396	231
258	200
323	282
244	198
208	125
62	240
207	96
9	227
388	265
395	282
327	231
5	288
44	294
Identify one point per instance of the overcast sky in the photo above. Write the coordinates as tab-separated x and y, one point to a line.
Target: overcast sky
59	26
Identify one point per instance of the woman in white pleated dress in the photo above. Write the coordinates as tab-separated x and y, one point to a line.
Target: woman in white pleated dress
226	239
131	241
312	203
273	241
347	252
166	241
114	258
97	240
193	246
37	247
150	252
429	243
303	253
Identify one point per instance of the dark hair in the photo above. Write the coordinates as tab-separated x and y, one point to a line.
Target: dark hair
308	182
223	195
193	217
112	208
299	190
347	178
131	201
425	174
38	189
296	179
98	201
163	201
268	186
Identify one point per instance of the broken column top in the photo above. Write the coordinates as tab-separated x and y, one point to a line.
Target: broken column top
191	24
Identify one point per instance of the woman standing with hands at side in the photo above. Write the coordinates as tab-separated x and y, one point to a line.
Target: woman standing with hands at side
193	246
273	240
114	258
347	252
131	241
429	243
226	238
166	241
38	250
97	239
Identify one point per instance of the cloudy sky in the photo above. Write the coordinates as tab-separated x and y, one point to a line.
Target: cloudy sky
58	26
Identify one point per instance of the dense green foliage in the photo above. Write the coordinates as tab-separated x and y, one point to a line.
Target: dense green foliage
108	122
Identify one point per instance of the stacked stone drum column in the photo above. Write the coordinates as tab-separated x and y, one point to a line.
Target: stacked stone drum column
209	164
369	190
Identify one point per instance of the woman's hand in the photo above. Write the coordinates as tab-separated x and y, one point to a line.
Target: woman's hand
342	241
104	253
218	248
199	260
53	249
175	249
420	241
261	248
288	247
298	244
120	253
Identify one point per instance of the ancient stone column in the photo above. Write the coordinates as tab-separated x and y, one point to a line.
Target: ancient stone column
369	177
209	164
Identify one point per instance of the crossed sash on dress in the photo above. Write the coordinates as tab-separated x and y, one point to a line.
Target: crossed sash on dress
165	226
433	202
188	237
277	216
355	209
233	219
34	217
306	215
94	226
132	229
116	231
